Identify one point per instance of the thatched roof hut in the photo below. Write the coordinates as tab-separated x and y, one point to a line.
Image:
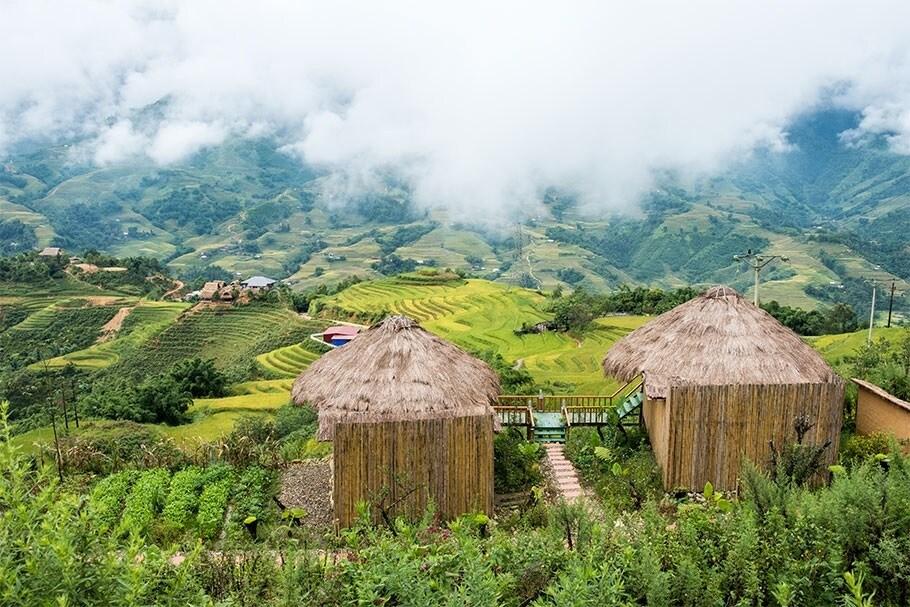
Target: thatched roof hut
723	380
716	338
395	371
400	403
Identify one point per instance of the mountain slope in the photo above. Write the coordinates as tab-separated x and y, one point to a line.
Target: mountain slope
839	210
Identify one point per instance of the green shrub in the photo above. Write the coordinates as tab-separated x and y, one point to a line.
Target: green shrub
295	419
182	498
250	500
100	447
212	505
860	447
200	377
516	463
621	468
302	445
108	496
144	502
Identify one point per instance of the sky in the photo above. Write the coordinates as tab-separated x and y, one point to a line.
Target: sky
478	106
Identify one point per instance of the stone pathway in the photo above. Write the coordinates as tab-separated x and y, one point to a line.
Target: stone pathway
564	472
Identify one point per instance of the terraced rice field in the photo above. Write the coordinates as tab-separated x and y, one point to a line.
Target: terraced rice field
42	316
146	319
286	362
482	315
230	335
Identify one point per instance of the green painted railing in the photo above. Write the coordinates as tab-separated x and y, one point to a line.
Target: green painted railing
588	409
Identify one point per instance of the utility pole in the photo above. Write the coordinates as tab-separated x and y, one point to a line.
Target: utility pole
757	262
520	244
872	314
53	408
891	303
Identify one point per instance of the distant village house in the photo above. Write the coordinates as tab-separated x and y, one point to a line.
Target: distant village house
258	283
219	290
340	335
51	252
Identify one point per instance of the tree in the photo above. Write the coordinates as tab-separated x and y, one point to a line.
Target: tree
164	398
200	377
842	318
513	379
573	313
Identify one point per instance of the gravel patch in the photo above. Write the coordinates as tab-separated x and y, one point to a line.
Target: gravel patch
308	485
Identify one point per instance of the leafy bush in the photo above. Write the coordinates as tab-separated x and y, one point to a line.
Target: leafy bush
859	448
885	364
158	399
516	462
213	503
295	419
252	441
182	498
144	502
105	446
302	445
619	466
164	398
200	377
251	494
108	496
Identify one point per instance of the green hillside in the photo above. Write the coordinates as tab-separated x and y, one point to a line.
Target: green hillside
481	315
839	213
263	346
145	319
834	348
230	335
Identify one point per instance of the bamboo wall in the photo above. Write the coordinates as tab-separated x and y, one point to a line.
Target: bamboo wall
657	421
447	461
711	430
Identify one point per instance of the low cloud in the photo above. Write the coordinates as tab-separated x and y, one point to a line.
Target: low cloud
178	140
477	106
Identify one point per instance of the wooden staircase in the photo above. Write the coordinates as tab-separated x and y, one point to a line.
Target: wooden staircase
549	428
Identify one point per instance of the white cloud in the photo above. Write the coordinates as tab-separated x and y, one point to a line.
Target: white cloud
478	105
118	143
176	141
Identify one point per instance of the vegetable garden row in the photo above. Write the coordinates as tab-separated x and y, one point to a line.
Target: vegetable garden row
193	502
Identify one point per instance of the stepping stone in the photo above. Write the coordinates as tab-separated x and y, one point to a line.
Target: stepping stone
565	474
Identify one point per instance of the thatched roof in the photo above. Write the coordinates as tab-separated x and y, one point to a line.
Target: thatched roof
718	338
396	371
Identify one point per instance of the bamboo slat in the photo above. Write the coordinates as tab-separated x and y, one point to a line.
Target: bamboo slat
411	463
705	433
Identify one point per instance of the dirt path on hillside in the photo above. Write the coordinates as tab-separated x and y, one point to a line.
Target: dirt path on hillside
100	300
113	326
176	289
531	272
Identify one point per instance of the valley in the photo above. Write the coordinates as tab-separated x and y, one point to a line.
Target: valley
262	346
245	208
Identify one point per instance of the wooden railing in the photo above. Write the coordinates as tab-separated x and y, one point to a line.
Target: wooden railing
576	410
587	416
548	403
512	415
